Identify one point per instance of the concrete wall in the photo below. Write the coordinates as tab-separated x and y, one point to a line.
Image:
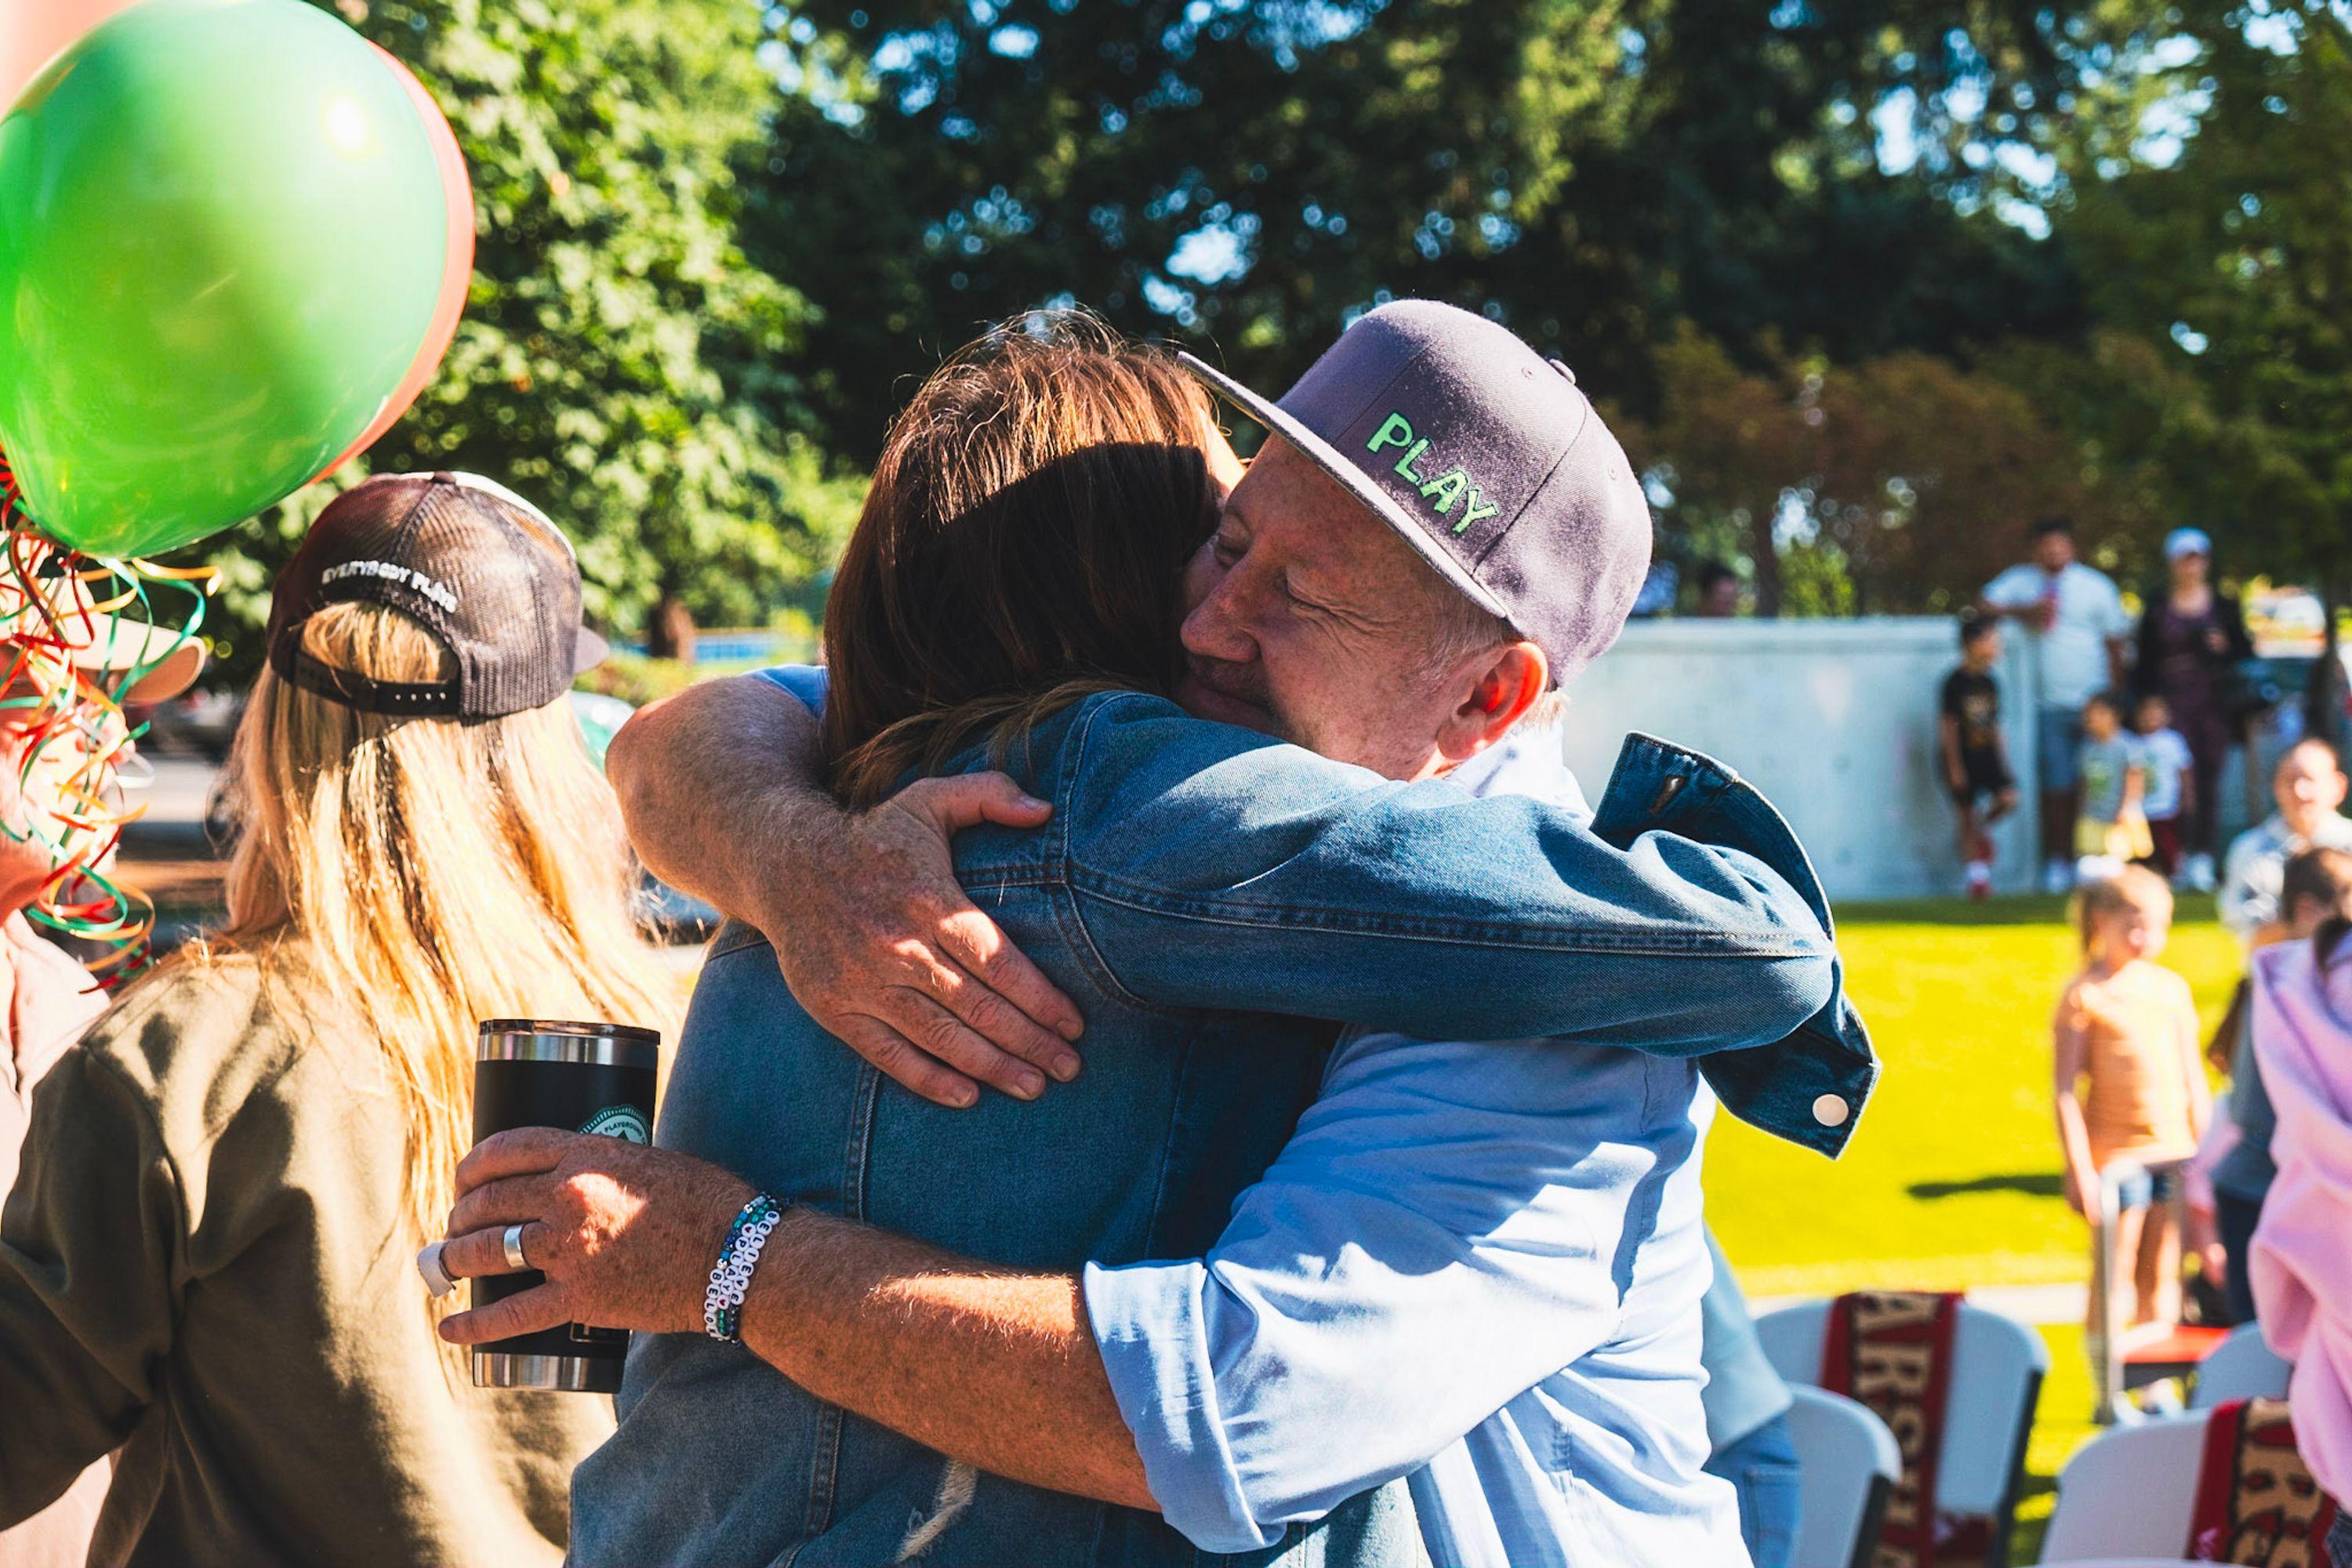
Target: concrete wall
1834	721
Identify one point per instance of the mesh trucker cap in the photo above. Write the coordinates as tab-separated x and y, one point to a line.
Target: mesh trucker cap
482	569
1489	460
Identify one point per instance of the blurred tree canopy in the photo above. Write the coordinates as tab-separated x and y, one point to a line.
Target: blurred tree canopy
2238	251
1597	173
1867	284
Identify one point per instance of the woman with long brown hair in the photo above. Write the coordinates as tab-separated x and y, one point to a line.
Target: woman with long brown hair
205	1266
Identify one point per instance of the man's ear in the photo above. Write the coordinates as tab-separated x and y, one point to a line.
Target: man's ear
1511	681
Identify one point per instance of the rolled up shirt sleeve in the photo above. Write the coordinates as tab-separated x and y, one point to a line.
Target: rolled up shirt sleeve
1421	1254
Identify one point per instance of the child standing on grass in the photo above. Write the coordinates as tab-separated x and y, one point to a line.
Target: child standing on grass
2172	796
2129	1082
2112	831
1976	761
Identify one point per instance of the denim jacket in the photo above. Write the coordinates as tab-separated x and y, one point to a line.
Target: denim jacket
1203	894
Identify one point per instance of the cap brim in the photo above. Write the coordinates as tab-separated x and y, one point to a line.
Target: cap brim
172	660
589	652
1352	478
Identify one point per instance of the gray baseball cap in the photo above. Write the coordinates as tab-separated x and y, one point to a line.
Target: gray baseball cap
1486	456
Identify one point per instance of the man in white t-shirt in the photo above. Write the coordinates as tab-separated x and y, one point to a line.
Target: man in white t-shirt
2075	624
2073	620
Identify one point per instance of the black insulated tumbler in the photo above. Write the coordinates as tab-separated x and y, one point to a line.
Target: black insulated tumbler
585	1078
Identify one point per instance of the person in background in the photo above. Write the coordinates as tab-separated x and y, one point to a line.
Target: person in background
2113	830
2316	888
1747	1419
2191	639
1718	591
2172	791
2302	1031
2129	1083
51	999
2308	785
1975	757
2074	622
204	1263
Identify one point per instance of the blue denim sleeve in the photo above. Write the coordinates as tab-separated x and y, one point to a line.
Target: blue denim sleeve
808	682
1212	867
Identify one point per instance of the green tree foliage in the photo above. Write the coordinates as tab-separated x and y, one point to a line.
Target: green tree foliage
1899	484
2215	223
1597	173
620	361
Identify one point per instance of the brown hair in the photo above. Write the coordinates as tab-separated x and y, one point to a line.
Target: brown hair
2326	876
2133	888
1022	544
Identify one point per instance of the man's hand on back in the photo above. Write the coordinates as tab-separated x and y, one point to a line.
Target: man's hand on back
720	789
878	943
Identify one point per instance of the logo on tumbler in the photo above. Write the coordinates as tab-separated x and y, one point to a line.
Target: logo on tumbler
622	1121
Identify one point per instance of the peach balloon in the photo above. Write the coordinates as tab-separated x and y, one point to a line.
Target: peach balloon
457	267
33	31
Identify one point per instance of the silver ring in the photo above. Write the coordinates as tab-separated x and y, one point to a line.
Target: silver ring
437	1274
511	1239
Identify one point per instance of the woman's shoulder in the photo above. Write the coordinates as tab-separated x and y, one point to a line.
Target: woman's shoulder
1125	751
195	1037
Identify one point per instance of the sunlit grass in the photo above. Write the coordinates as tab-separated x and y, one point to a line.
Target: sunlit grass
1952	1180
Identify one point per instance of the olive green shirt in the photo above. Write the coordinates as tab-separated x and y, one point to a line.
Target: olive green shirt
203	1265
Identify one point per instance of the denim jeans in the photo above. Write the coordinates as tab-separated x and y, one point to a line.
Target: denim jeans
1763	1467
2236	1218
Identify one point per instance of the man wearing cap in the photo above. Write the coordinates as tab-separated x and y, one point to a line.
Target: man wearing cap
1476	1263
51	999
2190	642
2075	623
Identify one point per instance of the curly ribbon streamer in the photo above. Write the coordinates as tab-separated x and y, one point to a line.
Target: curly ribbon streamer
50	599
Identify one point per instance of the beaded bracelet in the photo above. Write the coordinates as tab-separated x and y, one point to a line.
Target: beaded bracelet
731	1277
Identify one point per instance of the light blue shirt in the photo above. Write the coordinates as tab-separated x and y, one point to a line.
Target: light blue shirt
1476	1263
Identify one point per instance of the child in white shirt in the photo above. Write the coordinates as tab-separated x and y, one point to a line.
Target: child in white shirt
2172	783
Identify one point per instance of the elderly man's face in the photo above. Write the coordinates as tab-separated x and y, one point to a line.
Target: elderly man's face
1311	620
2308	785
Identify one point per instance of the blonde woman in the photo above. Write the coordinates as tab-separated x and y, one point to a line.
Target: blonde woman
205	1263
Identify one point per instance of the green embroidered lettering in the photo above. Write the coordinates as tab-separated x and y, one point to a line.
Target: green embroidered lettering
1404	464
1395	431
1447	488
1476	513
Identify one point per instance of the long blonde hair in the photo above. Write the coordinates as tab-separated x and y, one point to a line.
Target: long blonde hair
424	874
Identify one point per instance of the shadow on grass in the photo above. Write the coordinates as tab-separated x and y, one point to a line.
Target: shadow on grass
2032	1183
2025	910
2035	1498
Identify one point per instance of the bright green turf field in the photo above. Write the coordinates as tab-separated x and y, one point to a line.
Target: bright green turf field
1952	1179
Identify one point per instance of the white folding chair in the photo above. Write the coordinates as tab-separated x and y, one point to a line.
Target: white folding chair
2241	1367
2129	1490
1997	1364
1847	1463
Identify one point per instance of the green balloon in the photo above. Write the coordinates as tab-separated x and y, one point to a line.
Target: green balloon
222	237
